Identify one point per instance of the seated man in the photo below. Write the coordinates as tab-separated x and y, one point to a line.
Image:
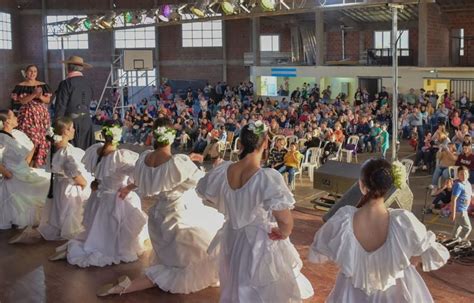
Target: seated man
277	154
330	149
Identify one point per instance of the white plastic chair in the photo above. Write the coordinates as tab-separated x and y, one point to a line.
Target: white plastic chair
228	143
291	139
352	140
313	154
297	172
338	154
235	150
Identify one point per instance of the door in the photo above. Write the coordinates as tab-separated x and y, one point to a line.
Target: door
372	85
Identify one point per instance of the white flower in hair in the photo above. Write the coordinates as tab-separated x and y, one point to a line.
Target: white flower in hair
57	138
258	127
165	135
116	133
399	174
50	132
1	125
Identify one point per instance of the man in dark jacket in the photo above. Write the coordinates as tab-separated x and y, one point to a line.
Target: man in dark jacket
73	99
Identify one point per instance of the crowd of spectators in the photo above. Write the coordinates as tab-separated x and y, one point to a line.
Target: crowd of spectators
438	127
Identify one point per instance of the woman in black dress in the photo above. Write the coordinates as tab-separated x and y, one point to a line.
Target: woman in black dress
33	97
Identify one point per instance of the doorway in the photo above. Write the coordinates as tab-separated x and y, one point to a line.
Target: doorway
372	85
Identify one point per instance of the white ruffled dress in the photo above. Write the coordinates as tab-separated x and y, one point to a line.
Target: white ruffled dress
385	275
23	196
254	268
114	228
181	227
62	215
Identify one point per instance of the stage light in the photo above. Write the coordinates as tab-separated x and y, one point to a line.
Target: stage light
200	9
153	13
136	18
165	13
108	21
228	7
88	24
91	22
268	5
127	17
73	24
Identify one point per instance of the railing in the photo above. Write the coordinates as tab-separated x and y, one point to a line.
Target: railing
383	56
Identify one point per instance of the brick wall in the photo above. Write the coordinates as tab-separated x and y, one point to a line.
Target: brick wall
437	38
334	45
464	20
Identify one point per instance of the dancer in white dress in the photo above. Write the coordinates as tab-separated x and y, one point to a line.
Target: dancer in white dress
23	189
181	227
377	248
113	226
258	263
62	215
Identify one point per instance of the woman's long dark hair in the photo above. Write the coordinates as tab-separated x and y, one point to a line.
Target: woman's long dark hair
250	141
108	142
376	175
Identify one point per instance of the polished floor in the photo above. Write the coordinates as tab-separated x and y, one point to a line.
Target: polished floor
27	276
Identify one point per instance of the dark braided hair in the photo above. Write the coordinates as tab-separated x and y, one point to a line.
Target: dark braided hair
109	140
377	177
250	141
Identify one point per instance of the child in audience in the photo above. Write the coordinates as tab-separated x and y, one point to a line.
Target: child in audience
292	161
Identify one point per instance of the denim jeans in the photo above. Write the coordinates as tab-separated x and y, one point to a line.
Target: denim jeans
291	172
438	172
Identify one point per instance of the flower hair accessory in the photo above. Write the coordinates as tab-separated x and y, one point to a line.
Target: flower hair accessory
52	135
258	127
164	135
399	174
1	125
114	131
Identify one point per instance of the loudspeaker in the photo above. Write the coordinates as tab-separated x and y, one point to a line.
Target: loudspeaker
334	178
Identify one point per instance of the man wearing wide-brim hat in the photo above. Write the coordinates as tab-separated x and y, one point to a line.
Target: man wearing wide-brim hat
73	99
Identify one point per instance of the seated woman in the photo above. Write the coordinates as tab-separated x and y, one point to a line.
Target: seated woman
181	227
62	216
23	189
377	248
114	227
442	197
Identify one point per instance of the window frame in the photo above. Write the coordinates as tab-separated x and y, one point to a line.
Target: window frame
136	77
6	36
388	35
71	42
272	38
461	42
201	34
145	41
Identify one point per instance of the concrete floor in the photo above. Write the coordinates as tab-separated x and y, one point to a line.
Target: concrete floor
27	276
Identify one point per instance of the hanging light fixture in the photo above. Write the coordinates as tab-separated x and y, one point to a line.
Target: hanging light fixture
228	7
127	17
136	18
91	22
108	21
200	9
165	13
268	5
73	24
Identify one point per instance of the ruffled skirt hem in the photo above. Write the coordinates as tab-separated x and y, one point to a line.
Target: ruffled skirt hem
185	280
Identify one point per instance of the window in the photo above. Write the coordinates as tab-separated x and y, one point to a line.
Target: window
269	43
5	31
141	37
383	40
201	34
79	41
137	78
461	42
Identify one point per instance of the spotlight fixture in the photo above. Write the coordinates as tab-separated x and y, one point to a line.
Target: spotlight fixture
108	21
136	18
165	13
228	7
268	5
91	22
200	9
153	13
73	24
